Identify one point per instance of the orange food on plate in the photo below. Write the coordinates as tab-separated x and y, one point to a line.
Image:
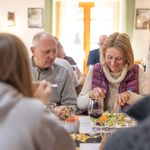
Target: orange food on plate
72	118
103	118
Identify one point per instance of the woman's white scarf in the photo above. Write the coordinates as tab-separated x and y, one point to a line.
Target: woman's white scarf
115	77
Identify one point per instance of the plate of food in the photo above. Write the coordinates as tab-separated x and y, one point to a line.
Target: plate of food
71	123
110	122
85	138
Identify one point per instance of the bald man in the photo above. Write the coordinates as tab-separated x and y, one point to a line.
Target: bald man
94	55
43	67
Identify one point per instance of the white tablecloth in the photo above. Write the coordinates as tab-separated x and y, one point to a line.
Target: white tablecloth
85	127
89	146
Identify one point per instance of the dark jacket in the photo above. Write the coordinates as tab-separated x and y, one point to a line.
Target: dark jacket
135	138
94	57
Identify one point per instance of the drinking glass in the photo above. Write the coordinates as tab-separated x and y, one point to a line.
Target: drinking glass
95	110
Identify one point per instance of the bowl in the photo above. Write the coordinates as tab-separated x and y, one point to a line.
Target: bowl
71	124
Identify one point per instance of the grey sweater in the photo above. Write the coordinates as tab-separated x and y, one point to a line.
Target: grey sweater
25	125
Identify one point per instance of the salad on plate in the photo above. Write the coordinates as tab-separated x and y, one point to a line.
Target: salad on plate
109	122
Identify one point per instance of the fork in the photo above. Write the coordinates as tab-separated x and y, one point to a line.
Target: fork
116	107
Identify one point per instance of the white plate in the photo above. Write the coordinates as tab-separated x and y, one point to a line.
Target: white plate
71	127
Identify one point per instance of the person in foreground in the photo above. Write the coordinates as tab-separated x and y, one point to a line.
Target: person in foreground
43	49
24	123
137	137
117	79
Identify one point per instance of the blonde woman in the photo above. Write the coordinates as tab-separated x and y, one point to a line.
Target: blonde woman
116	79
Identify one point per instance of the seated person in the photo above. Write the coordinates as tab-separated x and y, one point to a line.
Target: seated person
24	123
94	55
61	54
116	80
77	76
43	51
137	137
66	64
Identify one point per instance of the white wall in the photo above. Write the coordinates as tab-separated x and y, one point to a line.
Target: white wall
20	7
141	36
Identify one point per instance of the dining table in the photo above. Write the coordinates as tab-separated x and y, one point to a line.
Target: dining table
84	140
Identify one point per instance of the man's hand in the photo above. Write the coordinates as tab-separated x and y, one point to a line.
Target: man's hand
42	90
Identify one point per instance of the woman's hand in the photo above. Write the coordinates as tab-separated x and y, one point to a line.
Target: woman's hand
97	93
123	98
42	90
